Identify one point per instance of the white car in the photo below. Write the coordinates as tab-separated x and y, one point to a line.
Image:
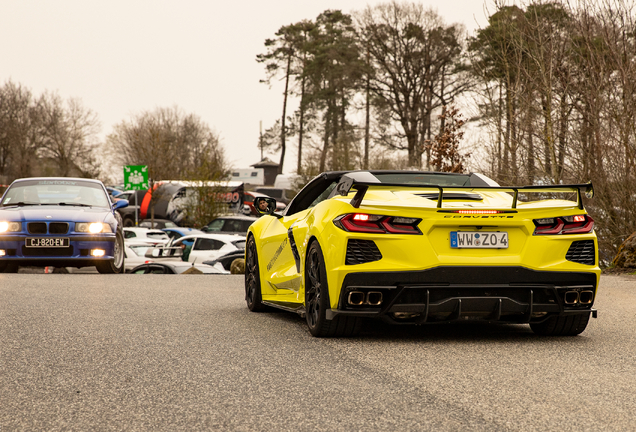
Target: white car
203	247
136	254
145	235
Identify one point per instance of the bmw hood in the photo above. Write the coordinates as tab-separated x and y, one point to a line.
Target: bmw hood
55	213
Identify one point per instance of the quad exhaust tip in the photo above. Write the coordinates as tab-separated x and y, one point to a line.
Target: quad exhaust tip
356	298
575	297
571	297
586	297
359	298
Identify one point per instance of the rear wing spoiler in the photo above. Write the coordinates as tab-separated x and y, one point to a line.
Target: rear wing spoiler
346	184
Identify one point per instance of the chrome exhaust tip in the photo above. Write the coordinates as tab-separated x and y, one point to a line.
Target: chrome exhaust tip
356	298
374	298
571	297
586	297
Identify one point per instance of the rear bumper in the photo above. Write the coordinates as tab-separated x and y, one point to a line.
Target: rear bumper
443	294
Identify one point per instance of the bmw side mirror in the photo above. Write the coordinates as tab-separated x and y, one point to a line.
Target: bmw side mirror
266	206
120	204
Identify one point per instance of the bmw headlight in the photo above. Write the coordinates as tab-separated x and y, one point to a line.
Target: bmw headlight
92	227
10	227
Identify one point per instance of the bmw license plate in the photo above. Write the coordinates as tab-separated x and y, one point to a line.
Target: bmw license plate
479	240
47	242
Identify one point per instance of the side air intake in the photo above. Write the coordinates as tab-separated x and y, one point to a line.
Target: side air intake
582	252
362	251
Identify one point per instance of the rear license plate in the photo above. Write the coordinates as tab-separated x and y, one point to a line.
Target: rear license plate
47	242
479	240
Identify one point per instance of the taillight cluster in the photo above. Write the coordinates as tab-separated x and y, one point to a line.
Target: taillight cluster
377	224
579	224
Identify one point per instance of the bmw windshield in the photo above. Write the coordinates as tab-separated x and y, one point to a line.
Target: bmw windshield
56	192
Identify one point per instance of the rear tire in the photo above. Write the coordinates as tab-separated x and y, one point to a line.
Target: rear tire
253	296
116	265
569	325
317	300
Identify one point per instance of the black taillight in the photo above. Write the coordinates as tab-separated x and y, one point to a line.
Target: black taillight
579	224
377	224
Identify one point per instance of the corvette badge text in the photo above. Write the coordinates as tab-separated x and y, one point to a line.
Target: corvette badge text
277	254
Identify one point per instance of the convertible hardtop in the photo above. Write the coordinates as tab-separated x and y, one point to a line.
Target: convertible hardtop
361	181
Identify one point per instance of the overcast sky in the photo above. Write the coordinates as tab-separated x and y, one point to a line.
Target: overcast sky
124	57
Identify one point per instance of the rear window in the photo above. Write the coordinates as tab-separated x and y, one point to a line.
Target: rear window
208	244
216	225
236	225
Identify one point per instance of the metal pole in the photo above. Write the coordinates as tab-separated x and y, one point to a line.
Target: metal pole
136	209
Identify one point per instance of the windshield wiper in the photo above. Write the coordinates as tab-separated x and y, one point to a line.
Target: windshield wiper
20	204
73	204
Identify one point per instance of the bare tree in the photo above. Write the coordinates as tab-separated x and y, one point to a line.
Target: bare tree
46	135
173	145
19	138
558	90
68	133
415	60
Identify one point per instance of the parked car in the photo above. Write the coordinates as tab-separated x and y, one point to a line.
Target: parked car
204	247
235	224
146	235
157	223
60	222
412	247
134	199
136	255
227	259
176	268
178	232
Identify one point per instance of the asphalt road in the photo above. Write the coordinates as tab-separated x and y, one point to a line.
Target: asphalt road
125	352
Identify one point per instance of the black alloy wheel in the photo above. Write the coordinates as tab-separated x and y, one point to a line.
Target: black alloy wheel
252	278
317	300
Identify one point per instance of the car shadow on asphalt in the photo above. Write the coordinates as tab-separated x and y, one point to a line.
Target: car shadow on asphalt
468	331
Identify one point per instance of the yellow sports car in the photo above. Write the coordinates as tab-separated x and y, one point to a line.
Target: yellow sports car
414	247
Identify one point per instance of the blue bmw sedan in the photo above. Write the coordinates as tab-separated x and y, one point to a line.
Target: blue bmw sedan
61	222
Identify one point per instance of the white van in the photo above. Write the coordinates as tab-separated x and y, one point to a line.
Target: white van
286	181
253	176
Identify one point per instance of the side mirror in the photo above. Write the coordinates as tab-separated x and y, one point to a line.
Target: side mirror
120	204
265	206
